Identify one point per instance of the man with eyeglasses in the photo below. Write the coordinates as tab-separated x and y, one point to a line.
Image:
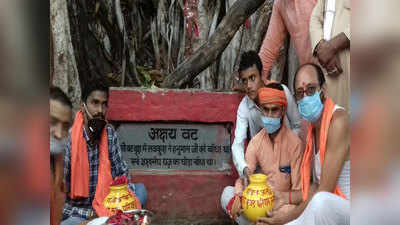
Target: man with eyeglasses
326	159
275	151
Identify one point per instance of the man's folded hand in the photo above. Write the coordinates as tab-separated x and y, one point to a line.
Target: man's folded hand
236	207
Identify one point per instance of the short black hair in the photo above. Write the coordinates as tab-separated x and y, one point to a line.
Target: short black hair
248	59
320	74
95	85
58	95
274	85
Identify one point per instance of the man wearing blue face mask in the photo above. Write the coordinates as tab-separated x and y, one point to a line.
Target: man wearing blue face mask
248	122
276	152
326	157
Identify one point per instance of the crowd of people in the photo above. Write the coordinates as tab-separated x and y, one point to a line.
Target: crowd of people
306	131
299	139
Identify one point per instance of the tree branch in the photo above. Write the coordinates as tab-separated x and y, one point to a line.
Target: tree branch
210	50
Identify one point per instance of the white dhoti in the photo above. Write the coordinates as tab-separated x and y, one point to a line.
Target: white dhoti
226	196
325	208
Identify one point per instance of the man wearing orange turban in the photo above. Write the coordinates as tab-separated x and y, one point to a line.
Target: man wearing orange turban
276	150
248	119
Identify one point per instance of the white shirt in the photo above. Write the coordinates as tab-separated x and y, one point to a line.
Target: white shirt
249	117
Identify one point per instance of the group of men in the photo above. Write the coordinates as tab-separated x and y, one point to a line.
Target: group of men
310	177
310	181
300	141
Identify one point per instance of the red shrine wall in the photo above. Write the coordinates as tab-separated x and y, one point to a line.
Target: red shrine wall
178	192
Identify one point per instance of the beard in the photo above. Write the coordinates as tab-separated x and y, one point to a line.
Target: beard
96	126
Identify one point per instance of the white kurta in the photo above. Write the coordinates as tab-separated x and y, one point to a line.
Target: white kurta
338	87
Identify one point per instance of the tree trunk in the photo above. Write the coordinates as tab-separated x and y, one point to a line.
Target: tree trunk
65	73
293	64
230	56
213	48
51	54
208	13
204	28
138	43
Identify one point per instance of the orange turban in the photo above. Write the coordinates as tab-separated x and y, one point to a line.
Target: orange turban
271	95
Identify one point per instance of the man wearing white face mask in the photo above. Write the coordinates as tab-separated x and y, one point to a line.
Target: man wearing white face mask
276	151
327	155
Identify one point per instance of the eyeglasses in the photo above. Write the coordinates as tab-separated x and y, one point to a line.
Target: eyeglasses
299	93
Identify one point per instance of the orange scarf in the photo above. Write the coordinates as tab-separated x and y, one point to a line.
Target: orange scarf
306	163
80	167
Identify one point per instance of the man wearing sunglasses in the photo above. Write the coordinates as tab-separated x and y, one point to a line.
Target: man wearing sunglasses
275	151
326	159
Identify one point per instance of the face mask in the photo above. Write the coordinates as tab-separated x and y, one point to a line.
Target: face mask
95	126
57	146
271	125
310	107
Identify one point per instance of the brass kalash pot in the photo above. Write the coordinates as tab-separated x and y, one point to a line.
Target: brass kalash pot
257	198
119	197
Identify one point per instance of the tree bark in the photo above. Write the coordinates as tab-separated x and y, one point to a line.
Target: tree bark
208	12
112	39
261	22
65	73
293	64
229	56
210	50
204	28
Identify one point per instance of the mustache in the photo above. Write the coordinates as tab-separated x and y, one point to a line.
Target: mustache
99	116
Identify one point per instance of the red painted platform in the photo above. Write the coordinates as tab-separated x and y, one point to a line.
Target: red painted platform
176	195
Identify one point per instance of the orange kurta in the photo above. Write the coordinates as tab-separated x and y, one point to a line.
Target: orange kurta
288	17
286	151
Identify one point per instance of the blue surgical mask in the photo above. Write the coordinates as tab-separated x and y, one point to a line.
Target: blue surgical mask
310	107
270	124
